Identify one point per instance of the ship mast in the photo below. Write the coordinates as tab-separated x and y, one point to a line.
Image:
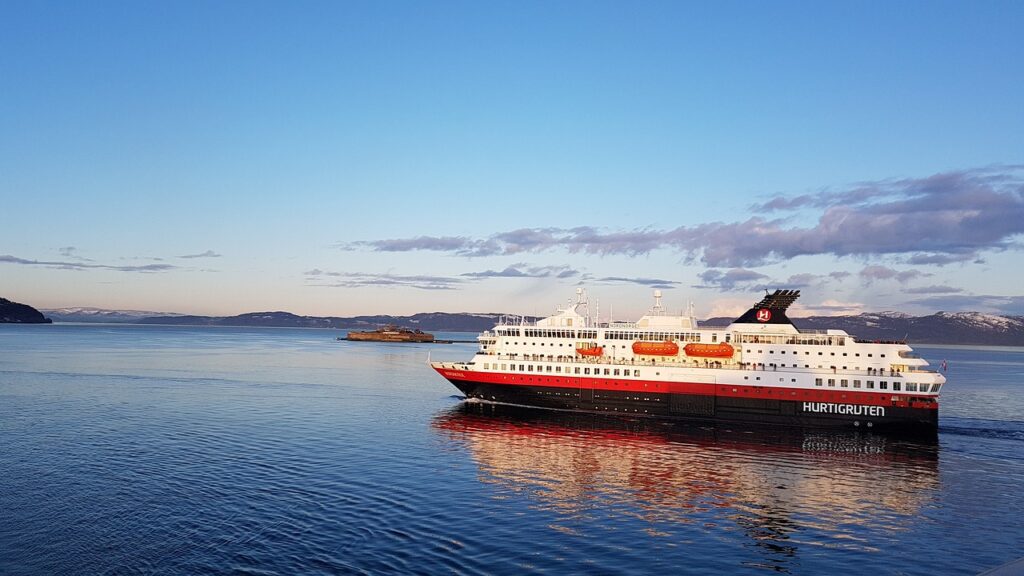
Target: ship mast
658	309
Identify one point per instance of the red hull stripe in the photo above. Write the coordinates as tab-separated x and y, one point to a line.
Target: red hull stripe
689	388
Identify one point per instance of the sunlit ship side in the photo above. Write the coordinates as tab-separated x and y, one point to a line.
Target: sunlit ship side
760	368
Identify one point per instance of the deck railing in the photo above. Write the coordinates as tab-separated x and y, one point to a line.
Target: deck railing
711	364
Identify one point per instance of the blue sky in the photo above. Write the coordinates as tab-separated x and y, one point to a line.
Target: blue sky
344	158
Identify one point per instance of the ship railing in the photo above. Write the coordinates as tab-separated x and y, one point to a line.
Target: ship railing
612	361
716	364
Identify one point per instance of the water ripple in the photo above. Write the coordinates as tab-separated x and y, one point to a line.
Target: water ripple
142	451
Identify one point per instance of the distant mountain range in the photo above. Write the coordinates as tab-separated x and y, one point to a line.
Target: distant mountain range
972	328
438	321
101	315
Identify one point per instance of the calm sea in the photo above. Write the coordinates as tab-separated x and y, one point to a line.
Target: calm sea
170	450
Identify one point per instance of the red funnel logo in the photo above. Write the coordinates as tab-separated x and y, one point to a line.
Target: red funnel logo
764	315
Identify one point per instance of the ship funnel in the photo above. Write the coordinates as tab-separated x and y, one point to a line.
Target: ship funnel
771	309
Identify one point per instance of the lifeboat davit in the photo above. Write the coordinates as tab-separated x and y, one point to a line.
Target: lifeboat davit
592	351
666	348
709	350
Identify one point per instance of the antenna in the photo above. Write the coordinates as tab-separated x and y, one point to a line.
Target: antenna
581	300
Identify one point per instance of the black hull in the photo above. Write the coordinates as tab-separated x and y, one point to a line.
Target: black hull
704	407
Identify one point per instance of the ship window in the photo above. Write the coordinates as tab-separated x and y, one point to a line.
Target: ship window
487	366
832	382
558	368
792	380
529	368
817	381
883	385
911	387
869	355
616	372
844	353
871	384
819	353
522	368
935	387
856	383
636	373
576	370
586	370
844	383
882	355
896	386
548	369
857	354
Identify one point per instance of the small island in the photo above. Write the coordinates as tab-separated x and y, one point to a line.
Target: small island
15	313
391	333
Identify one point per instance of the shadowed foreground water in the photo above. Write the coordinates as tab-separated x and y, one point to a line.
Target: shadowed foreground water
169	450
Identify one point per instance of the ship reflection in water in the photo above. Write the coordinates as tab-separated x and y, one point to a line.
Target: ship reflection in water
775	489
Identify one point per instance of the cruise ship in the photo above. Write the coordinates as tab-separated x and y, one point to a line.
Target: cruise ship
760	368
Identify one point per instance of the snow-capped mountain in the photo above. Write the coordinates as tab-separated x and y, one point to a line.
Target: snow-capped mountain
100	315
939	328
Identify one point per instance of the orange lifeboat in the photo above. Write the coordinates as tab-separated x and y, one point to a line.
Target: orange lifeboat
591	351
666	348
709	350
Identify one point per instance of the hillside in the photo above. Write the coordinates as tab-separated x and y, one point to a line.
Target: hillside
15	313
